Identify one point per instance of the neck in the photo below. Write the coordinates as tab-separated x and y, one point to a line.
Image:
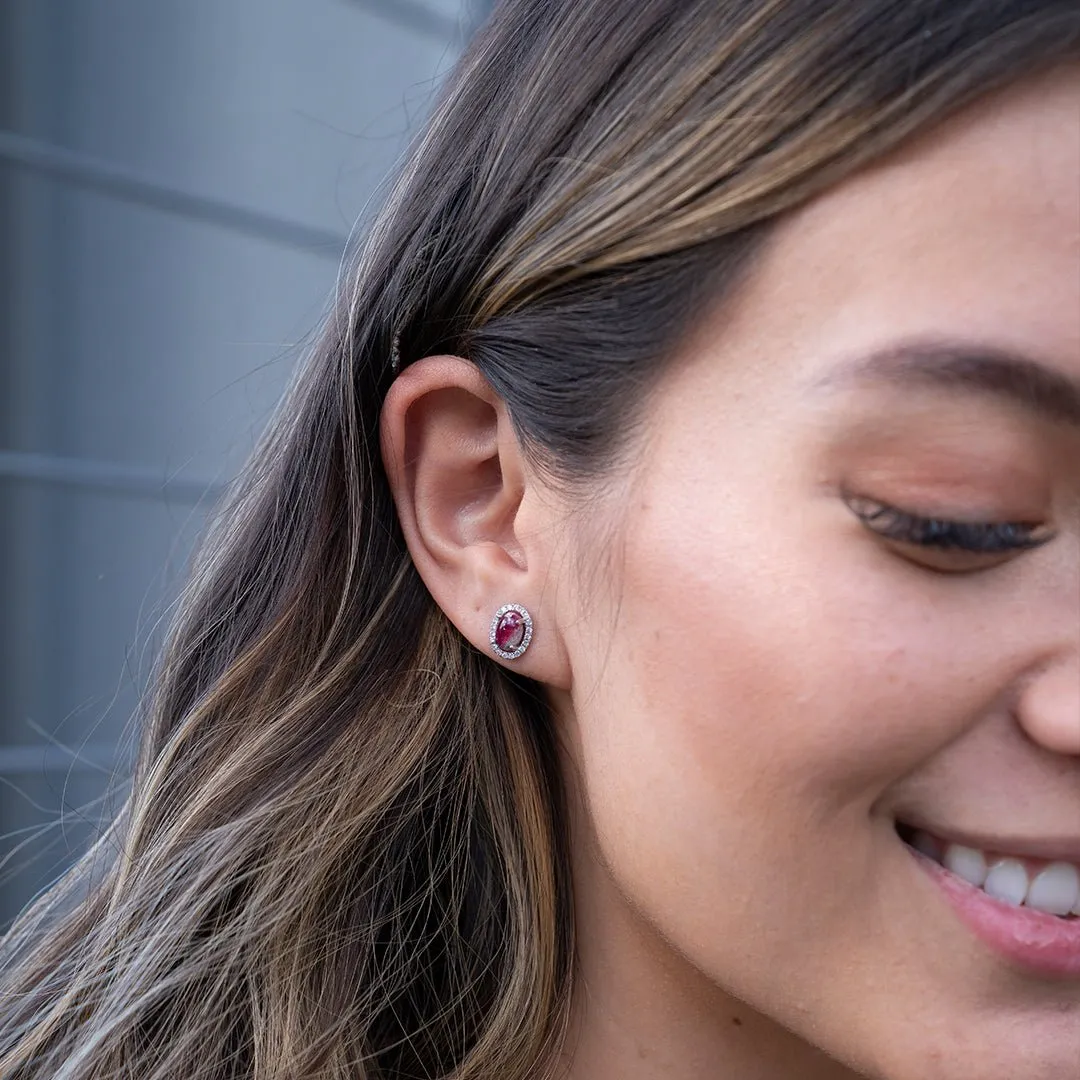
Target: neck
643	1011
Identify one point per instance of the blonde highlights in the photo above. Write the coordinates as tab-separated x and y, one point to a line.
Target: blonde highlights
344	853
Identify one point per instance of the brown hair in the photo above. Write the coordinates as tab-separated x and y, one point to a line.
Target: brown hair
344	851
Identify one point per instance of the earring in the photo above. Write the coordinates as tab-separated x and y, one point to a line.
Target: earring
511	631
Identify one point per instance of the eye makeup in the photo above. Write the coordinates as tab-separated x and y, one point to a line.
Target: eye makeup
946	477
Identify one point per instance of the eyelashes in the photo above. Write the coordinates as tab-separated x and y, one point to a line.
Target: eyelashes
946	535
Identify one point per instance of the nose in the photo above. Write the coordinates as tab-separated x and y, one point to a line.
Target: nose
1049	706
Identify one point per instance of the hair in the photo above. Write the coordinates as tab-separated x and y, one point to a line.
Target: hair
345	850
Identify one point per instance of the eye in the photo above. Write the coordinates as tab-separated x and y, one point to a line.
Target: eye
950	545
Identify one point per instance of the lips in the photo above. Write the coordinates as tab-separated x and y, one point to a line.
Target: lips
1001	912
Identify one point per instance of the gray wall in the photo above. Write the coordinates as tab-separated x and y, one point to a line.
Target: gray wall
177	178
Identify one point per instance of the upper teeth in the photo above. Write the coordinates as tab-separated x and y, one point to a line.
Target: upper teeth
1054	889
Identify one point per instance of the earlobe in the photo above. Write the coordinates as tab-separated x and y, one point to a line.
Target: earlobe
459	481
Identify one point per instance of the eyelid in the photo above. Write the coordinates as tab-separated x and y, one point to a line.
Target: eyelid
949	470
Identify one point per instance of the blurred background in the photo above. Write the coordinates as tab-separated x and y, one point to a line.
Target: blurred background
177	182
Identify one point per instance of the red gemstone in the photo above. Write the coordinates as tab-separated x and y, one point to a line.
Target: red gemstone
510	631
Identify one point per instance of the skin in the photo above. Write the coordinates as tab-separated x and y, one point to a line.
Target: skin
751	685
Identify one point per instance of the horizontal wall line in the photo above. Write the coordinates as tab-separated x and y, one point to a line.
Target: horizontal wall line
414	16
47	757
92	174
138	481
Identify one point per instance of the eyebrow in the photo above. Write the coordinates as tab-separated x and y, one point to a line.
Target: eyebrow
1001	373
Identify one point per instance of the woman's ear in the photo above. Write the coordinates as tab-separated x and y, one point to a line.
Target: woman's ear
460	484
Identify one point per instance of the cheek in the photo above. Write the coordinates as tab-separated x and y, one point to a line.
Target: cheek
759	691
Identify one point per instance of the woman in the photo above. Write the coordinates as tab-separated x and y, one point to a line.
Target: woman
647	642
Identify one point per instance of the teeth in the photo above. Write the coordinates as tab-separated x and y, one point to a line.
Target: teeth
1055	890
967	863
1007	881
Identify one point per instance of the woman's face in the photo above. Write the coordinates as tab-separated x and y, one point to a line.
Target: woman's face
773	683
